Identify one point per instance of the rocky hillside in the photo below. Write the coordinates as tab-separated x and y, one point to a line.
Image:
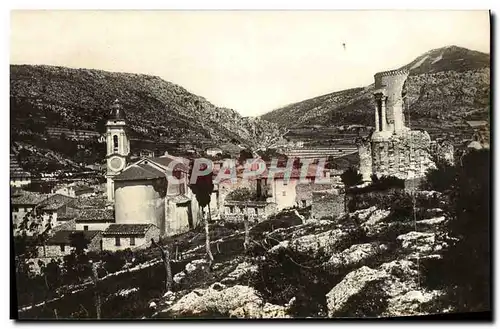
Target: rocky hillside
157	109
445	86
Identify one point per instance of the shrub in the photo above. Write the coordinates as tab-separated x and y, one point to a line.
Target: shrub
289	274
465	268
113	262
351	177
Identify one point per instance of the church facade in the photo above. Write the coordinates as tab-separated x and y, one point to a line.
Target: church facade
141	192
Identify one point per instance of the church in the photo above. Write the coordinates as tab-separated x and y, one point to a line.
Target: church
141	191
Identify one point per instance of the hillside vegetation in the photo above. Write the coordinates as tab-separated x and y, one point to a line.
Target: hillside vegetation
446	85
157	110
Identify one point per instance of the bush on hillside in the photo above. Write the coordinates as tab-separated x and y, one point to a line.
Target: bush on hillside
289	274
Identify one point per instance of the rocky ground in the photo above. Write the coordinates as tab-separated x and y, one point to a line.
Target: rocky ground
371	264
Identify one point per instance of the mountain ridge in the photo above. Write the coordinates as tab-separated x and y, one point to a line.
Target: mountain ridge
433	69
54	96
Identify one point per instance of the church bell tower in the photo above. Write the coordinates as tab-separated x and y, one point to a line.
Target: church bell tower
118	146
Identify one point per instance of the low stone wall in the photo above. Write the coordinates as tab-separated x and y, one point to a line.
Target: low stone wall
328	204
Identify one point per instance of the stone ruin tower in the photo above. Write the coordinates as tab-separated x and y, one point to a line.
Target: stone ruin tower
393	149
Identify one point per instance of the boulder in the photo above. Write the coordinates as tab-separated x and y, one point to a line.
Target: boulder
363	214
326	241
255	311
410	302
431	221
352	284
374	218
240	271
178	277
193	265
236	301
404	270
356	254
419	243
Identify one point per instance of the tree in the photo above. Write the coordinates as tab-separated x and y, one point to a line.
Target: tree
203	189
165	256
95	279
269	154
464	271
77	264
245	154
351	177
330	162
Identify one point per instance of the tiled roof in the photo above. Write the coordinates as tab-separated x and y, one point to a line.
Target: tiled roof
80	188
28	198
55	202
477	123
139	172
64	237
91	202
165	161
95	215
246	203
127	229
69	214
295	173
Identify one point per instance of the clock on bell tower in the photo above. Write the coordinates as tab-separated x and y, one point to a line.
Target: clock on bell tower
118	145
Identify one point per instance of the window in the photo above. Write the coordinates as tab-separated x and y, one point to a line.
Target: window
256	211
132	240
85	227
284	193
117	241
63	247
115	143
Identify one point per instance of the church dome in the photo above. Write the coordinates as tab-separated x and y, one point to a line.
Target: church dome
116	111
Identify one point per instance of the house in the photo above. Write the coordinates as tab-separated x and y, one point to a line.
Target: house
59	245
94	219
54	206
283	191
477	124
18	177
213	151
146	153
304	193
23	203
133	236
255	210
74	190
328	203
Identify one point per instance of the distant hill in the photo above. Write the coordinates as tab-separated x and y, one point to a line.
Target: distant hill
446	85
157	110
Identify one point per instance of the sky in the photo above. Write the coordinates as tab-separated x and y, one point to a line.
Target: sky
250	61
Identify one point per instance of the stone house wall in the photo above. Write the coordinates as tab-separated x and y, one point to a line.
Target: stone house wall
328	204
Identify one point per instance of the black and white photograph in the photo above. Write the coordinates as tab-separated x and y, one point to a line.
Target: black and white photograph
250	164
